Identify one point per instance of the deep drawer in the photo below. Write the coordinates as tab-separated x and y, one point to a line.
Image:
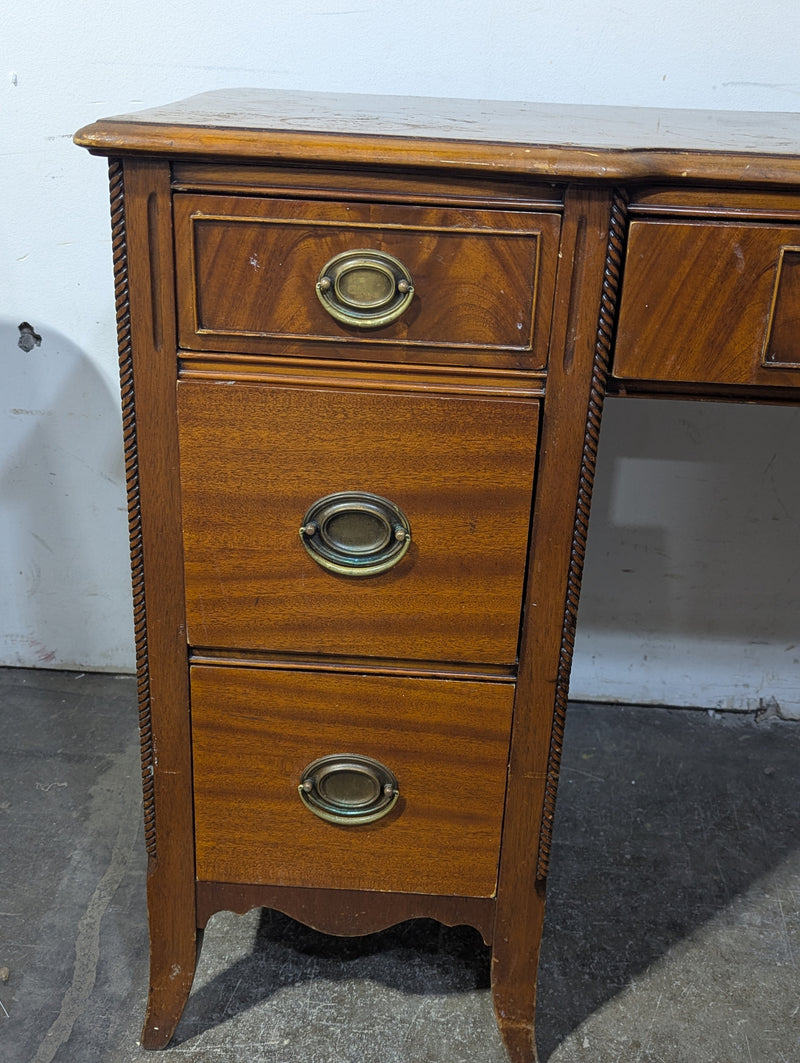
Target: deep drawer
710	303
482	280
254	458
255	731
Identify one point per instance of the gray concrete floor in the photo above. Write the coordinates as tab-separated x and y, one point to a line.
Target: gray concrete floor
673	931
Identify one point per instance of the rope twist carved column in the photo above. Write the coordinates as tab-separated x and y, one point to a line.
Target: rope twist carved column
124	344
600	369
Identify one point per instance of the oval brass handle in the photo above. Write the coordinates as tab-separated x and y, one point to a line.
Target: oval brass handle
355	533
348	788
365	288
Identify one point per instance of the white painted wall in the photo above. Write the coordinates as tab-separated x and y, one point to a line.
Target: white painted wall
691	589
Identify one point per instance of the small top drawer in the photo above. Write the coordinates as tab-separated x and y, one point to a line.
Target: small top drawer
710	303
482	280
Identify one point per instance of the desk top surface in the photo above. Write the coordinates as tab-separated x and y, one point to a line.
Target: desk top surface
551	140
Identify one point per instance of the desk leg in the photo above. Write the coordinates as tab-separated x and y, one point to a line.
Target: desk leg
175	945
141	215
515	959
591	253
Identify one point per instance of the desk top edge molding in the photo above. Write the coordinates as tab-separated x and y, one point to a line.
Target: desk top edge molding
557	141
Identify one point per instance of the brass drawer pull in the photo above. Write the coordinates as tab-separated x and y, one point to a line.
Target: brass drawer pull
355	533
365	288
348	788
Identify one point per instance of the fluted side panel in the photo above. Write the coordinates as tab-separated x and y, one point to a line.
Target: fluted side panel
600	370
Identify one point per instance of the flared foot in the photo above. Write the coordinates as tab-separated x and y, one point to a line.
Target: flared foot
170	985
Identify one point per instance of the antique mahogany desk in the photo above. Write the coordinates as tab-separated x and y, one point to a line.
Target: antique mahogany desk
364	346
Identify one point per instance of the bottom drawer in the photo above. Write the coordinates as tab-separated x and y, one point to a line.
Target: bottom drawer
254	731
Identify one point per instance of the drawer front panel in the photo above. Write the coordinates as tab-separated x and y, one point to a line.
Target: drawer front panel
255	458
483	280
715	303
255	731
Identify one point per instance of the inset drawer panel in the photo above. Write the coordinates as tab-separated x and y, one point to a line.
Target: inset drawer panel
710	303
482	280
255	458
255	731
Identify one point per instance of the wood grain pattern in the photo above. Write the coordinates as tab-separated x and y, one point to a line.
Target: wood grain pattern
247	270
520	898
554	141
170	879
697	301
782	345
355	665
447	742
253	459
485	397
599	378
346	913
297	369
372	183
725	202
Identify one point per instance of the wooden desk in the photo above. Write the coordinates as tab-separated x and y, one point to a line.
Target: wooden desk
364	348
